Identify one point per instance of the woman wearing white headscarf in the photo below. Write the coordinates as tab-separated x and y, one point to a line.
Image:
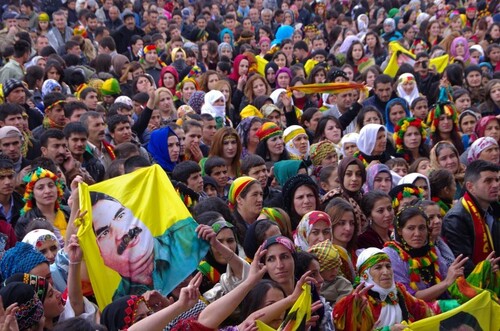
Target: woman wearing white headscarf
215	105
387	303
420	181
349	144
296	142
372	143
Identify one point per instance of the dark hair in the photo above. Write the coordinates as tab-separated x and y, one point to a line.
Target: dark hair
370	199
114	169
6	163
186	126
8	109
212	162
474	169
382	79
320	130
113	109
301	45
21	47
254	300
86	91
326	172
440	179
416	163
404	215
213	204
74	127
45	163
78	324
51	98
184	170
51	133
207	217
70	107
250	161
308	114
134	162
114	120
33	74
361	115
108	42
302	262
126	150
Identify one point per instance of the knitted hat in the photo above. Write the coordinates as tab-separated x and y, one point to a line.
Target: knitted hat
38	283
238	185
292	131
268	130
43	17
10	85
21	258
196	100
328	256
110	87
320	150
29	308
268	109
31	179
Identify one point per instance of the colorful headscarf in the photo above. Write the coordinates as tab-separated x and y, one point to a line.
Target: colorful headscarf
483	122
175	51
289	136
402	127
320	150
268	130
479	146
404	191
174	73
461	40
328	256
224	32
237	186
282	240
305	226
407	78
49	85
20	259
38	236
441	108
279	217
31	179
38	283
390	104
29	307
235	75
285	70
120	314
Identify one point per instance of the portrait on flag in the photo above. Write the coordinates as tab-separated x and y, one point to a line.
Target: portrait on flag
137	235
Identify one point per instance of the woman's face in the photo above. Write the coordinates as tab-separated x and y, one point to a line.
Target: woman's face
412	138
353	179
44	25
143	84
460	49
319	77
414	232
52	305
382	213
280	264
174	148
380	144
243	67
350	149
408	87
179	56
204	51
448	160
371	41
495	32
370	78
422	184
280	60
226	238
320	232
371	117
41	63
49	249
314	267
283	80
468	124
136	73
219	102
382	182
298	94
333	132
45	192
227	38
473	79
445	123
396	113
252	202
275	145
343	231
264	47
225	91
252	137
155	120
304	200
312	124
382	274
227	51
424	167
188	90
434	214
301	143
463	102
182	139
165	102
271	75
259	88
495	93
435	29
357	52
53	74
287	49
492	130
212	79
491	154
349	72
229	147
273	295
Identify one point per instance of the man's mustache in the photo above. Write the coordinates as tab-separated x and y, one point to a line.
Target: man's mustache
127	238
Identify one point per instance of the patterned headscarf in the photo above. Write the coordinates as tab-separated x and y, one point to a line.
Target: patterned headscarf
280	217
49	85
282	240
328	256
31	179
29	307
483	122
479	146
305	227
402	127
268	130
120	314
238	185
38	236
38	283
21	258
321	150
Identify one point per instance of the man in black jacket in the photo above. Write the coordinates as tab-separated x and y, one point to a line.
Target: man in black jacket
122	35
472	226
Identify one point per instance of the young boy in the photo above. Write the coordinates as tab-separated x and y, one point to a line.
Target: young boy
399	166
209	186
254	166
216	168
189	173
335	287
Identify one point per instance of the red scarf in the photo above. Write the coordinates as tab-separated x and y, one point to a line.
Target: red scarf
483	244
109	149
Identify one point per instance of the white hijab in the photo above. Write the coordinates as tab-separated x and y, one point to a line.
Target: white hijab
209	108
368	137
389	314
411	178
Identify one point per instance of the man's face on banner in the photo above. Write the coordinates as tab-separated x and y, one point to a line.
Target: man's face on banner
125	243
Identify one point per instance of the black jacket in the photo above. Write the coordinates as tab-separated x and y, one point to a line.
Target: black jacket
458	231
93	166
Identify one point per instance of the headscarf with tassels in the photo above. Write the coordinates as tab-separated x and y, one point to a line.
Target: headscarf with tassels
31	179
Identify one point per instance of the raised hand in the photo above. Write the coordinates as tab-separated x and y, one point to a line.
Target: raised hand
456	269
74	250
190	294
155	300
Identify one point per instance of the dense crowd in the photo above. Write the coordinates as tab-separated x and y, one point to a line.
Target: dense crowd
349	145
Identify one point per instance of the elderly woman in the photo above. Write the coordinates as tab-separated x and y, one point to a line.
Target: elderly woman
313	228
387	303
300	196
296	142
485	148
372	143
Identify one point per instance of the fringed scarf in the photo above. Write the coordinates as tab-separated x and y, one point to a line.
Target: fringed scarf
50	124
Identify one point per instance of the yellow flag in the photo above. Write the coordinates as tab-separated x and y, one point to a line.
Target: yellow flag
479	313
137	235
261	65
